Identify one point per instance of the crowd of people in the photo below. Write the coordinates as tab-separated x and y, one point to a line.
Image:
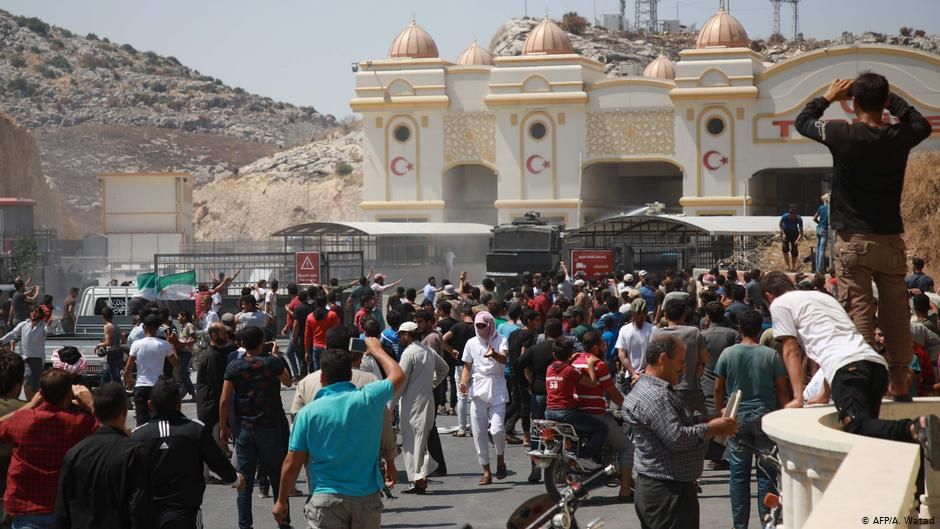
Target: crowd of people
373	365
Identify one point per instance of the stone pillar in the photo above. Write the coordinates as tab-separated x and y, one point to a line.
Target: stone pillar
800	498
930	499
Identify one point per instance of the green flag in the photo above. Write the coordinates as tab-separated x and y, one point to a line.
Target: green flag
177	286
147	286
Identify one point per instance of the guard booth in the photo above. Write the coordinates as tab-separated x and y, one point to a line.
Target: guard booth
410	251
659	242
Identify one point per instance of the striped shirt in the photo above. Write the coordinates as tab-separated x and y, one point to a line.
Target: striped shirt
591	400
669	444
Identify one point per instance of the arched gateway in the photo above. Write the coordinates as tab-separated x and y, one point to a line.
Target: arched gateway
486	139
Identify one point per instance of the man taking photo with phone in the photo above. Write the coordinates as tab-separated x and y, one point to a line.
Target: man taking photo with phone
869	158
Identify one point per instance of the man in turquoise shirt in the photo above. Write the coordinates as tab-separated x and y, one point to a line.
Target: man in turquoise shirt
761	376
339	431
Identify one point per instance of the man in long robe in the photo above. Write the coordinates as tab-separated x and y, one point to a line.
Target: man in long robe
423	369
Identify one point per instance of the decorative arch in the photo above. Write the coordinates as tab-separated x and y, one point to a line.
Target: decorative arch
536	83
714	77
400	87
484	163
416	138
632	159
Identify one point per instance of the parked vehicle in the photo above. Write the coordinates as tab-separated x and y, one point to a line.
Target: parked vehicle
526	245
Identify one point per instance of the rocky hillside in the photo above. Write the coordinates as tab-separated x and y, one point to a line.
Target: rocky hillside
321	180
627	53
98	106
21	177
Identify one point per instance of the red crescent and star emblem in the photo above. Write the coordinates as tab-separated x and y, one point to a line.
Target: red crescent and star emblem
536	164
709	164
397	164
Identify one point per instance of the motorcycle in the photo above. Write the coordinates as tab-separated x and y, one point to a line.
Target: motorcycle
545	512
556	449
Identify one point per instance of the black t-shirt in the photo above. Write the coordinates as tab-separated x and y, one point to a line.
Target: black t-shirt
19	306
462	332
868	164
444	324
537	358
517	340
301	311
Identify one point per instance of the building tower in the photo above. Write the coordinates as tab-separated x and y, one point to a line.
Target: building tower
776	6
796	17
646	16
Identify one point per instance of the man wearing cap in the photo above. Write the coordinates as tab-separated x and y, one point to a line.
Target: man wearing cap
423	370
484	357
575	318
648	290
582	299
627	283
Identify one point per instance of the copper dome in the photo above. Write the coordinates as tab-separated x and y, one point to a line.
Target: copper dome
722	30
413	43
661	68
547	39
476	55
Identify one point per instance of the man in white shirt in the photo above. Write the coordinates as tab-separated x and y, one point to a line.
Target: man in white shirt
209	316
148	354
31	337
632	341
250	316
856	373
484	357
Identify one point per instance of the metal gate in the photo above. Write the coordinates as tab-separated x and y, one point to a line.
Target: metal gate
254	266
344	266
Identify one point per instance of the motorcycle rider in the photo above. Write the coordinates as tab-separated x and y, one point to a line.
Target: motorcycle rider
591	400
561	382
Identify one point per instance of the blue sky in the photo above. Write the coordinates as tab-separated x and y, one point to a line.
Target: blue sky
300	51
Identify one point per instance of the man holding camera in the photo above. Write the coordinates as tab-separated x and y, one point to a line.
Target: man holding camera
869	159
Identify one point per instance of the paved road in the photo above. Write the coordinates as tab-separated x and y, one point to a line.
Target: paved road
456	500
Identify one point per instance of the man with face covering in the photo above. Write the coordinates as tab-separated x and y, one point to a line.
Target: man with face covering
484	357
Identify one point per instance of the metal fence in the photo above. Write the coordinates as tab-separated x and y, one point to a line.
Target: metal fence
262	246
253	266
657	246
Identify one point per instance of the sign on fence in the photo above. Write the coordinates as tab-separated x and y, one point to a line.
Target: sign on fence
308	268
593	263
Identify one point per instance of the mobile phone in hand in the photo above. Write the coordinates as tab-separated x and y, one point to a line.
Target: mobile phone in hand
357	345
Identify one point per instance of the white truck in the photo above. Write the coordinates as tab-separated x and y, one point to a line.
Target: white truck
89	327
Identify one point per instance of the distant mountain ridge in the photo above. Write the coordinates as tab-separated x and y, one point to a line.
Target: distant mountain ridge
97	106
52	77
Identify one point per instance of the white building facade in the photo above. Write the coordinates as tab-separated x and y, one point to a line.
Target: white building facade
486	139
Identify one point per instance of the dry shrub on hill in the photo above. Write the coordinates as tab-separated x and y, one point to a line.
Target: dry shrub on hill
920	208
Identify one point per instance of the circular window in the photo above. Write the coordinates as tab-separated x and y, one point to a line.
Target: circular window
538	130
715	126
402	133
